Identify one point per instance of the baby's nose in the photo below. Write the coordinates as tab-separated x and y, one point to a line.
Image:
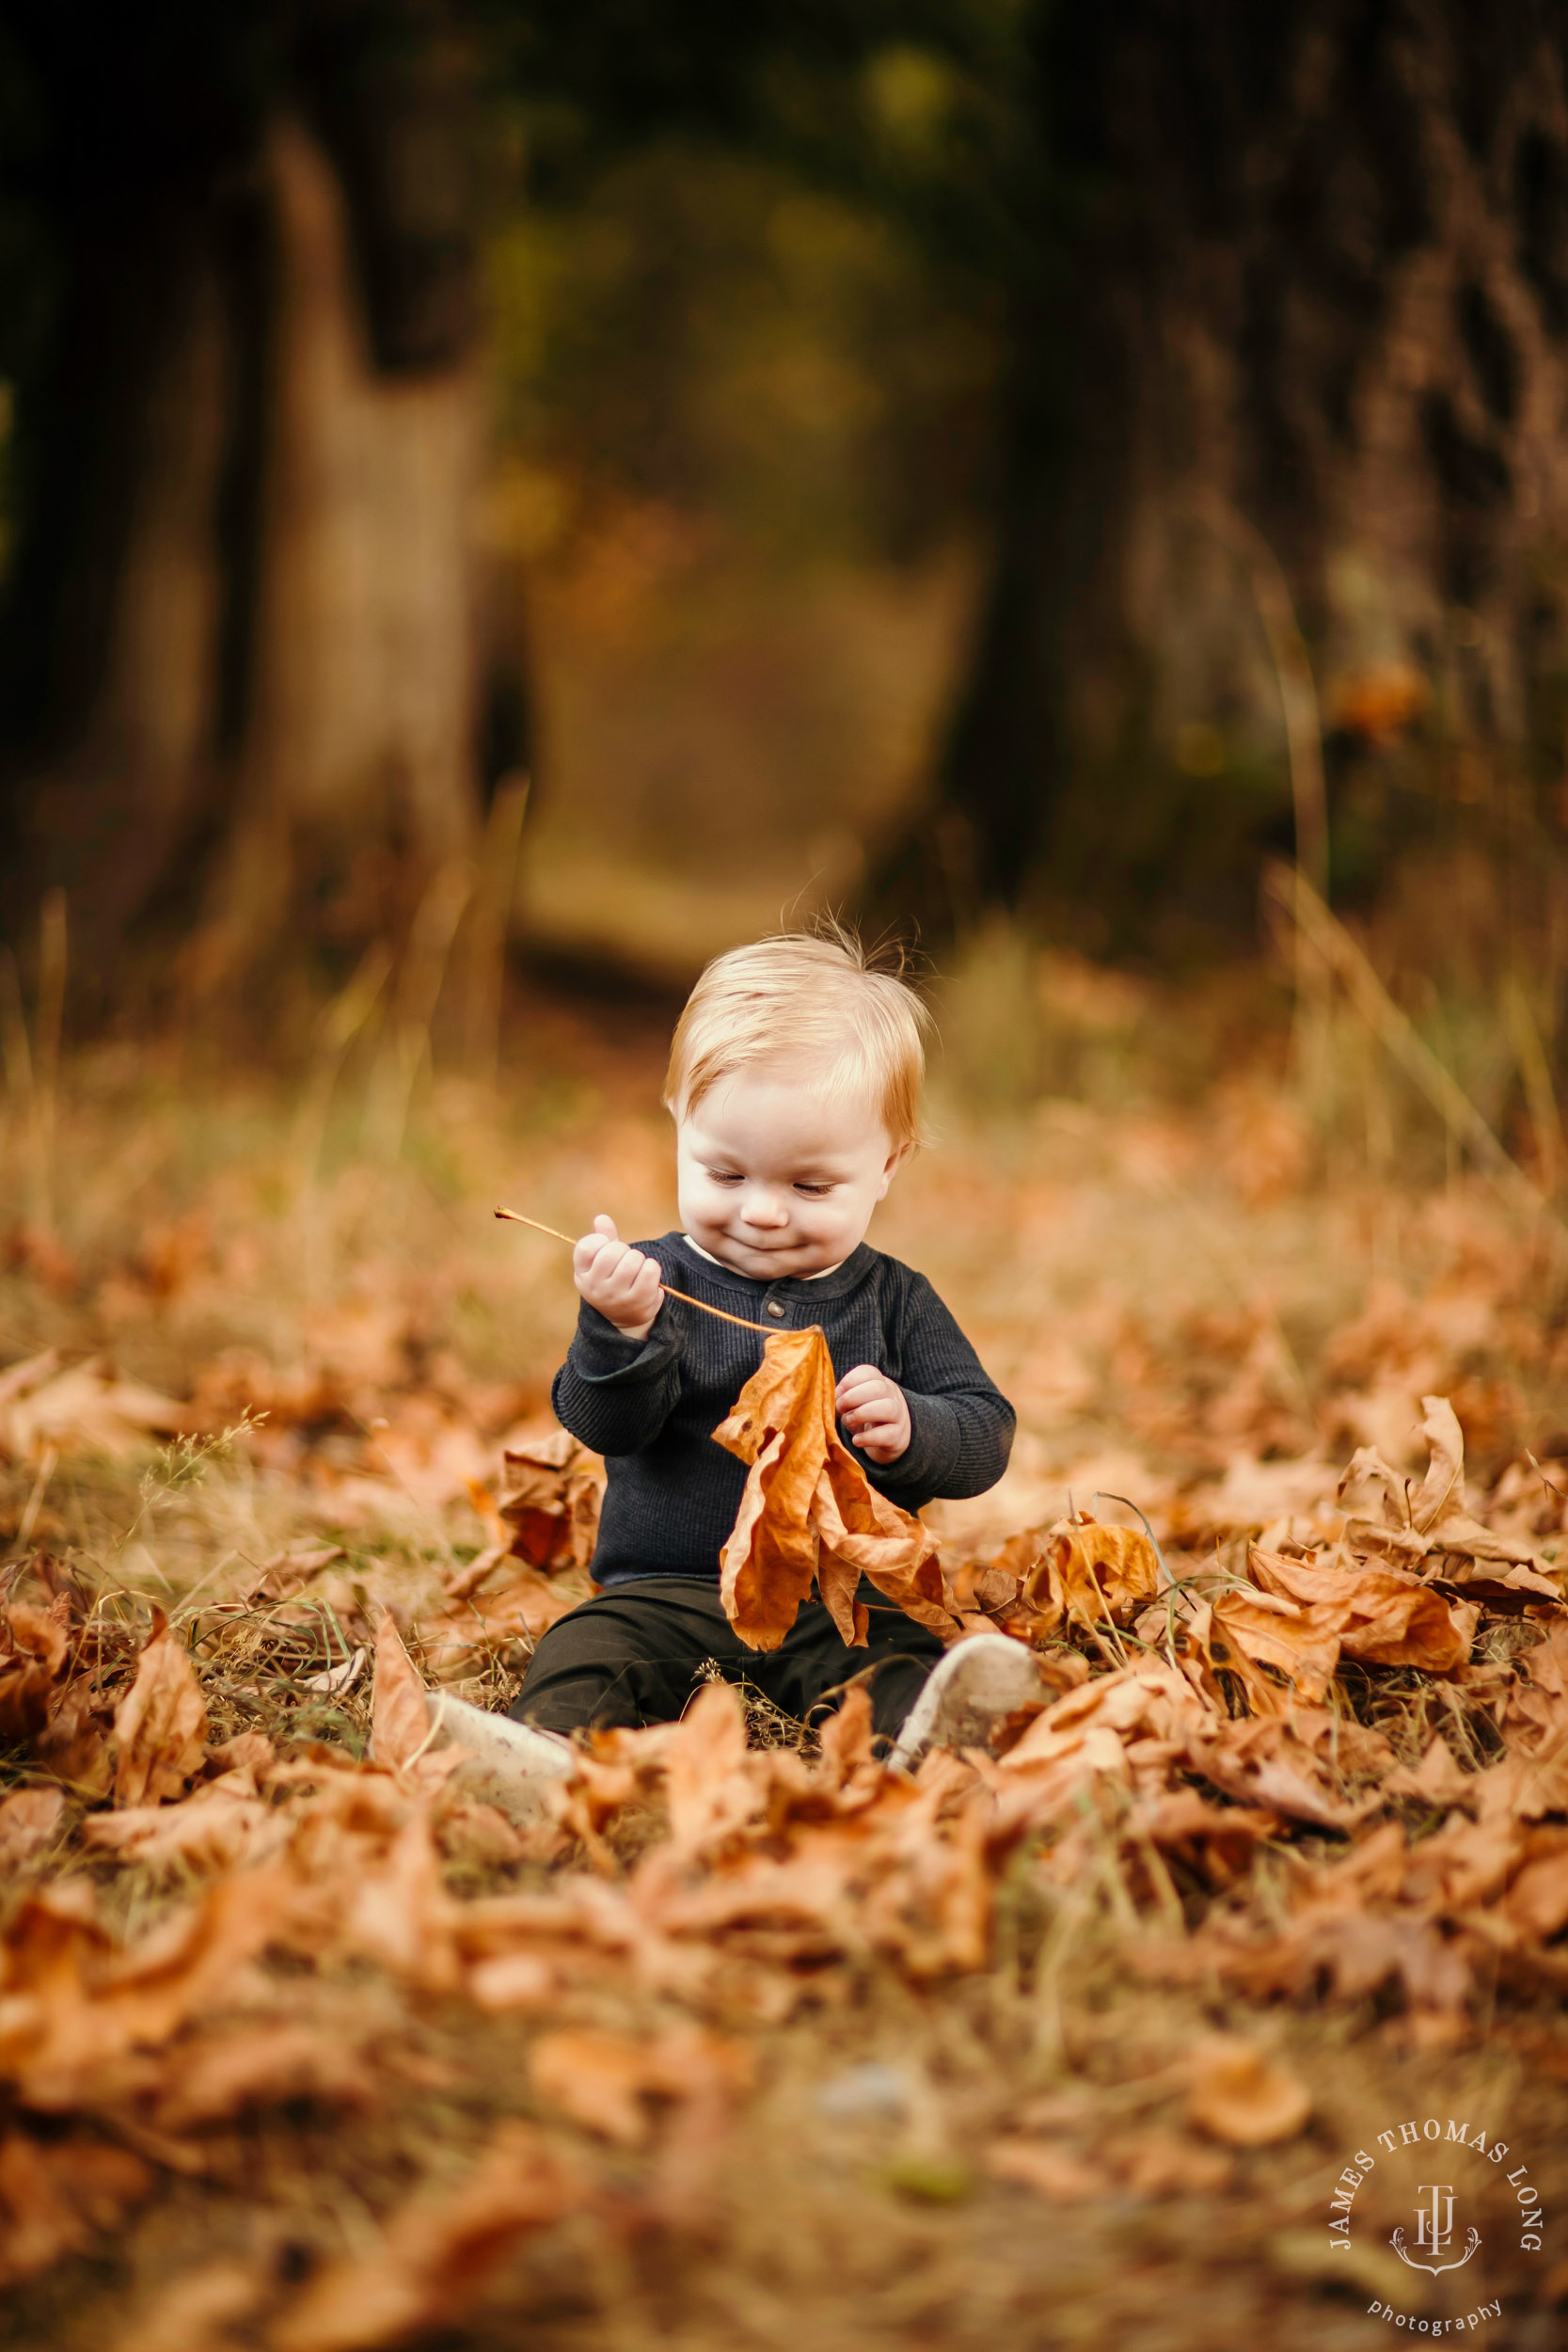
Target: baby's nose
763	1208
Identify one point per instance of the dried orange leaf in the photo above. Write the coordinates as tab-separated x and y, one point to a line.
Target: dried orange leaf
1094	1573
552	1502
263	2066
196	2311
1074	1571
438	2254
598	2079
1164	2163
1383	1618
1054	2173
528	1603
601	2079
400	1717
1405	1525
160	1724
83	1409
29	1821
55	2198
809	1510
1277	1633
1238	2094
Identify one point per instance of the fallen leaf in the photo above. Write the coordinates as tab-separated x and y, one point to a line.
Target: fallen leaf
552	1502
479	1834
1537	1902
1239	2094
1406	1524
808	1510
1282	1763
223	1824
1091	1575
338	1679
1381	1618
160	1724
264	2065
1163	2164
523	1980
286	1571
438	2253
83	1409
1054	2173
195	2312
75	1747
1278	1633
706	1786
33	1647
29	1824
1073	1572
400	1708
55	2199
77	2002
1218	1841
524	1607
603	2080
249	1752
1435	1780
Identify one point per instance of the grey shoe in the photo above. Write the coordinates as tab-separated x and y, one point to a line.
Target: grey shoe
968	1694
507	1764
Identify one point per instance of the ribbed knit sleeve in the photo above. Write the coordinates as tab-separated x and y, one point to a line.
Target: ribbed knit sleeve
960	1424
614	1393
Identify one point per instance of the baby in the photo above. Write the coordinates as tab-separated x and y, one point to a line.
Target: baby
795	1086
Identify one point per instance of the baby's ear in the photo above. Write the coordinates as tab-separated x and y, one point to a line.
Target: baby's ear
894	1161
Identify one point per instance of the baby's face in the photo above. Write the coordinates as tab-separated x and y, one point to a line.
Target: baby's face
775	1181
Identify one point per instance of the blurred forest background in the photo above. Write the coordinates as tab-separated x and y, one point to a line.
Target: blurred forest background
1005	466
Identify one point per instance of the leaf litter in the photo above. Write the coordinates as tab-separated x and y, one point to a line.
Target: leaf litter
1298	1769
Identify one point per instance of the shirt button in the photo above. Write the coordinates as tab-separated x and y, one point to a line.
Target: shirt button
776	1310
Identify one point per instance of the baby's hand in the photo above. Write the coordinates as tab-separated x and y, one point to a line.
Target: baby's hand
875	1412
616	1278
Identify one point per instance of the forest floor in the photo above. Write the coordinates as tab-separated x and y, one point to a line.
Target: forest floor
759	2044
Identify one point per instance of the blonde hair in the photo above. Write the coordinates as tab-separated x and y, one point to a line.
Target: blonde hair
812	996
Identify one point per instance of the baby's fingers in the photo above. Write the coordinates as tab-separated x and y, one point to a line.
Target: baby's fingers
591	1246
883	1443
648	1288
635	1279
873	1419
622	1265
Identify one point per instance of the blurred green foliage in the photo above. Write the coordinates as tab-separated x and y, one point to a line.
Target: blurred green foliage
757	263
703	330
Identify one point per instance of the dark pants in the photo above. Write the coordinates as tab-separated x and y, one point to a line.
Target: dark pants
633	1655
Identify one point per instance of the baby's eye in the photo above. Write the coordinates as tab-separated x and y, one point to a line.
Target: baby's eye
724	1175
813	1191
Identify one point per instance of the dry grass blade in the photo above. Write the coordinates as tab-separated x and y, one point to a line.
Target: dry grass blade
1330	939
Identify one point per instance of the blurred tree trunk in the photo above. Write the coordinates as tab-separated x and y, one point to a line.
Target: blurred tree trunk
356	766
1307	330
247	681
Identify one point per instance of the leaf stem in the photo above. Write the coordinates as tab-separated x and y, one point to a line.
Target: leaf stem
515	1216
